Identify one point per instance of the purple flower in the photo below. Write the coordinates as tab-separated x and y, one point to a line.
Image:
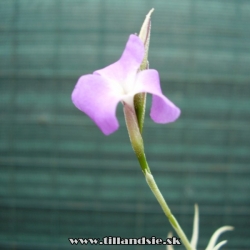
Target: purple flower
98	94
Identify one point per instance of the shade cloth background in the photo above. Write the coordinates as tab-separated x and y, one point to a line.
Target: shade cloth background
60	177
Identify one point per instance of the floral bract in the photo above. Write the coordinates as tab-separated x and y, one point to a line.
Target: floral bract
98	94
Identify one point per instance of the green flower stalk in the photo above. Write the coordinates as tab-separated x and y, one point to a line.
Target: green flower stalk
134	116
127	81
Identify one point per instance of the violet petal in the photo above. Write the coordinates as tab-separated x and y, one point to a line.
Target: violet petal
162	110
123	72
93	96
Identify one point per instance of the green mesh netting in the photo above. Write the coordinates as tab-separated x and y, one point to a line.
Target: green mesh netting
60	177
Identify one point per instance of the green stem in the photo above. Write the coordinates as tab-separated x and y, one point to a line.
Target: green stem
154	188
138	146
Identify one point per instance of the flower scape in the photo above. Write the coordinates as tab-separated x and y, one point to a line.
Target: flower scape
127	81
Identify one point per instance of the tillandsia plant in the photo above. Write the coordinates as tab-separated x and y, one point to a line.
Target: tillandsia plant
127	81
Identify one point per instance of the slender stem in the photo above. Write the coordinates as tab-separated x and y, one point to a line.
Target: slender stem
153	186
138	146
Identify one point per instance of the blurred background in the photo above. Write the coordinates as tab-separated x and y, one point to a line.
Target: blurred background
61	178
